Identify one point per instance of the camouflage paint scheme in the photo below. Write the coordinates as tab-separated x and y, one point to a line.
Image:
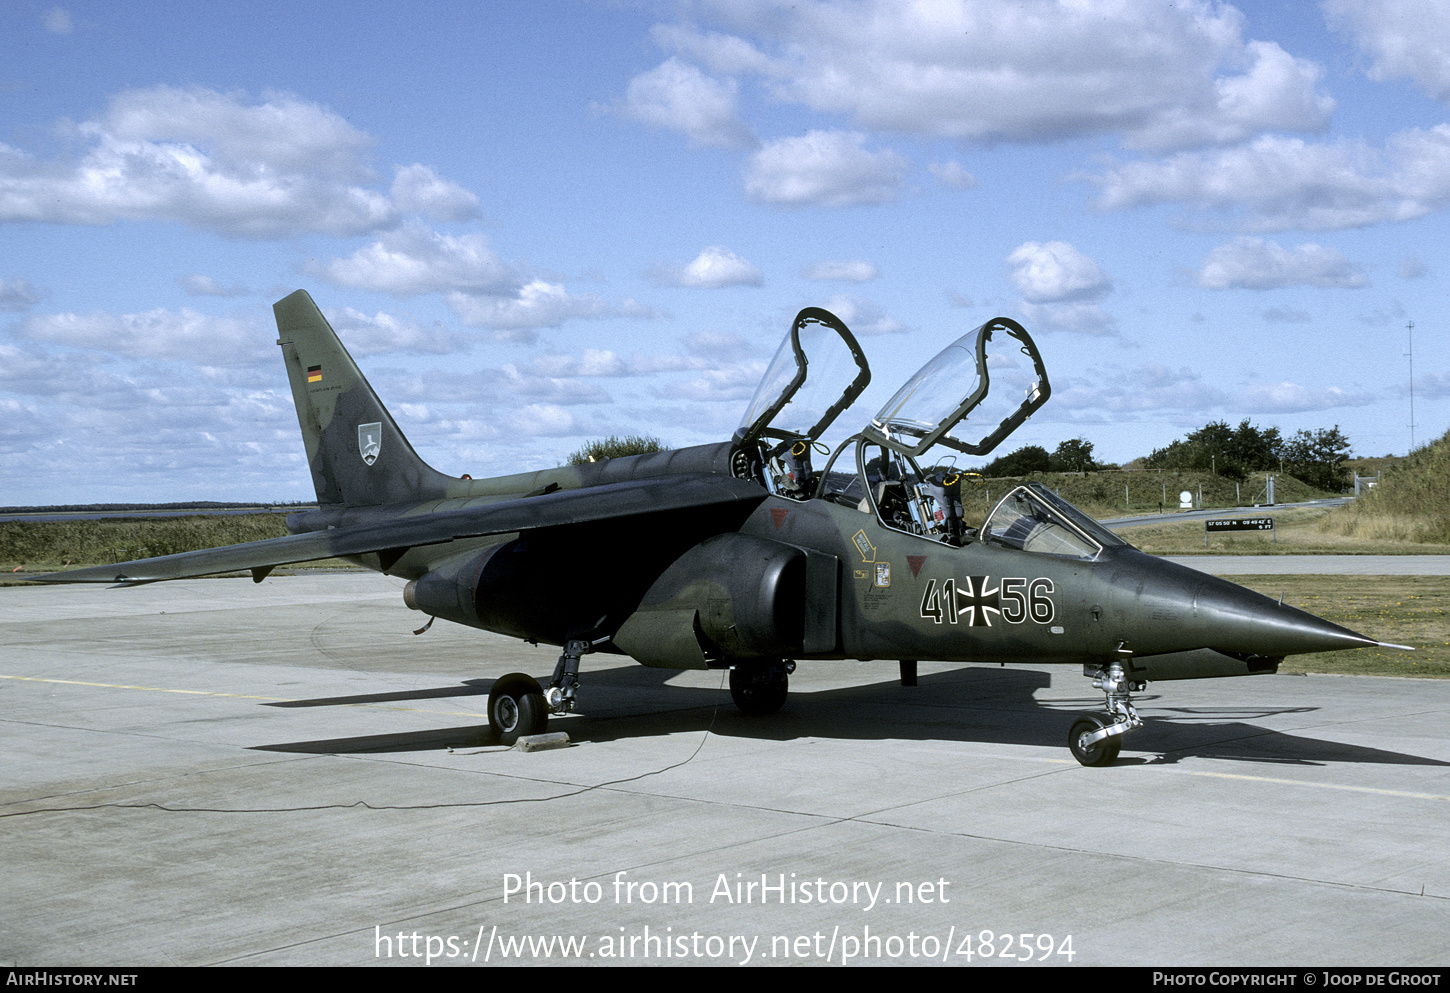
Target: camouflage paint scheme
710	557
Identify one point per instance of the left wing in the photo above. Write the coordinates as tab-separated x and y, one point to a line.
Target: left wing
594	503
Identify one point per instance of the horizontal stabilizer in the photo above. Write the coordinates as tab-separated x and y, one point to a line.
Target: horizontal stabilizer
558	509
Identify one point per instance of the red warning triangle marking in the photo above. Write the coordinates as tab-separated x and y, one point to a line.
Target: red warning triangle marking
916	562
777	514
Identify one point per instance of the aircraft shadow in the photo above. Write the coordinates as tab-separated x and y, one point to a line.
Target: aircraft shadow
974	704
469	687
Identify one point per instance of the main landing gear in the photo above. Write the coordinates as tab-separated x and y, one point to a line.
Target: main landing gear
516	708
760	687
519	706
1095	739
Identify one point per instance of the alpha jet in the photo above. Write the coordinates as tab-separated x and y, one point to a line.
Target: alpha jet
744	556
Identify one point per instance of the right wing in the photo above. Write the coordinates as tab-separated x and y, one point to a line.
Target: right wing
634	498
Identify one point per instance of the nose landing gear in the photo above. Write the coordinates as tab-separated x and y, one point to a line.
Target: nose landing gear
1095	739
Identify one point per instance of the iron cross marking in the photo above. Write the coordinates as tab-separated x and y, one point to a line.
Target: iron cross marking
976	600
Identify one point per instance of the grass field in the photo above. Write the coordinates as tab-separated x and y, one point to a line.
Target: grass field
1296	532
1404	610
38	546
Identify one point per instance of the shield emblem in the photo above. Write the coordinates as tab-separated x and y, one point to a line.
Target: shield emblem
369	441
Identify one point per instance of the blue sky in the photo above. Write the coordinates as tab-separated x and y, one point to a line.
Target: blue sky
540	223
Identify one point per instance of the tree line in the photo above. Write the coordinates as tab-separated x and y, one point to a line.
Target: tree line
1316	457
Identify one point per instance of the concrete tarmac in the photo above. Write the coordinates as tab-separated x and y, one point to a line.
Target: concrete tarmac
217	772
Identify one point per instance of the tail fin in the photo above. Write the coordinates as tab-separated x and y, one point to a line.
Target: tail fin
358	456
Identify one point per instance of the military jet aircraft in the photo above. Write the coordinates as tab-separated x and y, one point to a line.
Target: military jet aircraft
742	555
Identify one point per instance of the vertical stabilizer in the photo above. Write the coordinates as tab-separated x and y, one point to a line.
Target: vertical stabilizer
358	456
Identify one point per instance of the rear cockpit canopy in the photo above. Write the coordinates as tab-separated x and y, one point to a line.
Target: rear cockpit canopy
933	407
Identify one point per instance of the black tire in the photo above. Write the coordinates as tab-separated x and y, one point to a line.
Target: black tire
759	689
516	708
1099	753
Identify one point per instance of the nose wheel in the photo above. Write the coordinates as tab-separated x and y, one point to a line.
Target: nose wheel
1100	751
1095	739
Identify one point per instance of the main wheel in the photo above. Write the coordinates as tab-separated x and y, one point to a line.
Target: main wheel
759	689
1099	752
516	708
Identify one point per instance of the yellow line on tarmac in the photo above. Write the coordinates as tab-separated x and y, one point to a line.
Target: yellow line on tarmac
235	696
1323	786
150	689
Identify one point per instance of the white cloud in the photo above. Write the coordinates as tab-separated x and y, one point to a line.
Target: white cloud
1151	387
1060	287
855	271
863	316
555	390
1277	183
542	420
1163	76
538	304
1156	387
1290	398
714	268
718	345
419	190
156	334
731	382
198	285
57	20
1079	316
415	259
220	162
823	169
382	333
952	174
1435	385
1403	38
1055	272
679	97
1413	267
595	362
17	294
1255	264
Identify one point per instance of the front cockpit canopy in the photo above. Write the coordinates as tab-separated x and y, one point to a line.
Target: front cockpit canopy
788	405
933	407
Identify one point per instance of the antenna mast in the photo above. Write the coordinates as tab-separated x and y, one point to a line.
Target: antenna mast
1410	327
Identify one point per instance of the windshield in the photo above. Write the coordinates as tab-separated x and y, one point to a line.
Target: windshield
934	404
1028	518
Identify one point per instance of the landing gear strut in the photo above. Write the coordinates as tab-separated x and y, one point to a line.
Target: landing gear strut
760	688
1095	739
565	682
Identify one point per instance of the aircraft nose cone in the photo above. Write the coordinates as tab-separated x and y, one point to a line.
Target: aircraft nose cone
1165	607
1238	620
